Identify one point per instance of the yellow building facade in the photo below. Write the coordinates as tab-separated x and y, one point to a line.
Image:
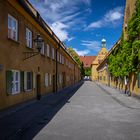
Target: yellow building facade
99	58
23	78
134	79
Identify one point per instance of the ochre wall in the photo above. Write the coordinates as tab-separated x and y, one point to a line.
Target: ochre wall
102	53
11	55
119	84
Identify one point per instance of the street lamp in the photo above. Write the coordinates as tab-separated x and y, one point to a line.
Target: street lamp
38	44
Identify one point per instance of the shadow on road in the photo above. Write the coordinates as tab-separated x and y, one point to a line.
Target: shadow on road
46	109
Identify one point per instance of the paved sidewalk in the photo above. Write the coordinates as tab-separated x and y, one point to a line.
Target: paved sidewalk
120	97
16	120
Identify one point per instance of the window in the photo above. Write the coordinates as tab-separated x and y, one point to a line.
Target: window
46	80
28	81
50	79
28	38
12	28
60	78
43	49
13	81
58	57
60	60
67	63
138	79
68	78
52	53
48	50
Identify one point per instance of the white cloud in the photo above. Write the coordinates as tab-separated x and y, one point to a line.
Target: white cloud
112	17
96	24
60	30
64	12
71	38
81	52
92	45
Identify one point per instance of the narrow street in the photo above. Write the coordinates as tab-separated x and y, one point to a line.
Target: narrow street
93	112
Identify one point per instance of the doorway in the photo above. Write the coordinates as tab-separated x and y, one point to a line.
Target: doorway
64	79
53	83
38	86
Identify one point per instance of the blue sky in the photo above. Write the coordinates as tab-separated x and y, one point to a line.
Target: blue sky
83	23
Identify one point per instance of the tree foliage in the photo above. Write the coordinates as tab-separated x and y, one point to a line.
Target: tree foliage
77	59
88	72
126	57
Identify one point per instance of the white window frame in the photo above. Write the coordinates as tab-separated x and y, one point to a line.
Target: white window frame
48	50
12	31
62	59
15	81
43	49
50	79
28	37
58	57
68	78
46	79
52	53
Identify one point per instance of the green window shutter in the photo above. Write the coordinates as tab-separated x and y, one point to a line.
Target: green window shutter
25	80
22	80
9	79
138	78
32	80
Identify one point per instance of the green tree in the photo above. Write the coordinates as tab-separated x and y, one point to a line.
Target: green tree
77	59
88	71
126	57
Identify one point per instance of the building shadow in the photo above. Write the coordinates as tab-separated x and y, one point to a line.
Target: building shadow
31	129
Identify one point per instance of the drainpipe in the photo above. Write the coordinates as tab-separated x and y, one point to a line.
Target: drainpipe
56	67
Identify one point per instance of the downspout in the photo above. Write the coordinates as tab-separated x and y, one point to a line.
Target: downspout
56	67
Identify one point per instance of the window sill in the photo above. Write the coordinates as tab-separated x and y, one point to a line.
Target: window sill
53	60
29	48
14	93
28	90
10	39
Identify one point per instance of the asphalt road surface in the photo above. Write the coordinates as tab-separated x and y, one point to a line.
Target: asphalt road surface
88	112
93	113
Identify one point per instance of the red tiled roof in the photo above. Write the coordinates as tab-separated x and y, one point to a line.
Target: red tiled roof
87	60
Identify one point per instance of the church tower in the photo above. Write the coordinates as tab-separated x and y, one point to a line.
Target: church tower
103	43
99	58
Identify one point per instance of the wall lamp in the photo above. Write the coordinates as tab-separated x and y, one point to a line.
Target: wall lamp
38	44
